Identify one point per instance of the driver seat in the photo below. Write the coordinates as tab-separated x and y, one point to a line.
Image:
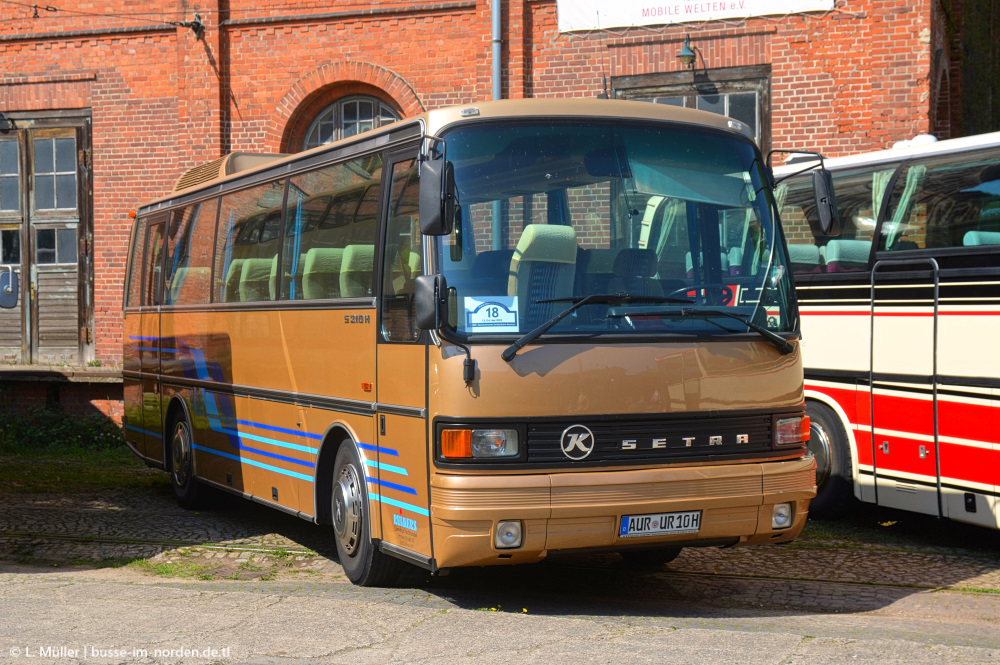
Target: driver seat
635	271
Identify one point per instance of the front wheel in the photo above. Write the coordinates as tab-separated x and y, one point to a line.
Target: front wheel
189	492
363	564
828	444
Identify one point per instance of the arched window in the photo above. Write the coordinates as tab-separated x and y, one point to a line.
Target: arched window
347	117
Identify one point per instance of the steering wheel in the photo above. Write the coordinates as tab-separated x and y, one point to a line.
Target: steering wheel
724	289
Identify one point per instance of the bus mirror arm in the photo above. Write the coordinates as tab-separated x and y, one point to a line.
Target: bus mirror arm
826	203
8	288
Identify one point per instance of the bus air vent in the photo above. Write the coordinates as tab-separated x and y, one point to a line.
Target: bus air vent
232	163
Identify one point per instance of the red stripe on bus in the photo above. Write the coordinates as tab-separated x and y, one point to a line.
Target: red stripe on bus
909	415
868	313
974	465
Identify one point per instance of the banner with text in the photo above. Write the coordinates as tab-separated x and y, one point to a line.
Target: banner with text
599	14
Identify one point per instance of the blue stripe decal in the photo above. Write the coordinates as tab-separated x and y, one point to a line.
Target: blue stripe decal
216	426
216	418
378	449
282	430
372	496
143	431
387	467
261	465
200	366
393	486
283	458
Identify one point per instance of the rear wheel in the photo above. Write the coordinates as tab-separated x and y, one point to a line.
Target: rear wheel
828	444
650	558
363	564
189	492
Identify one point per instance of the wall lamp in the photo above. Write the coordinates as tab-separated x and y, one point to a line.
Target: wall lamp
686	54
6	124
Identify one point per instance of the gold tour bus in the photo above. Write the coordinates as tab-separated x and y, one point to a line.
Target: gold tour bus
480	335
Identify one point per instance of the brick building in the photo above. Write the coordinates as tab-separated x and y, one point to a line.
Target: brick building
112	100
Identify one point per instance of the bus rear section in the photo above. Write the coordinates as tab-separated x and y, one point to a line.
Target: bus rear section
482	336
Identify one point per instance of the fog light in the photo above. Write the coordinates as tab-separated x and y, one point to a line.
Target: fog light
781	516
508	535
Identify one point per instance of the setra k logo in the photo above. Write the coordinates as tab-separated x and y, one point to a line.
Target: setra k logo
577	442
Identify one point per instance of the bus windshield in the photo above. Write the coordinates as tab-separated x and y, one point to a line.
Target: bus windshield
642	229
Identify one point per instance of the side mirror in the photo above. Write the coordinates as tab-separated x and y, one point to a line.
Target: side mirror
437	197
826	202
8	289
430	297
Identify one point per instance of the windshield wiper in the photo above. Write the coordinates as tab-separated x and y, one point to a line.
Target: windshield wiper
782	344
599	298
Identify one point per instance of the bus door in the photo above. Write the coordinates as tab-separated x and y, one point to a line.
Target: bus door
903	381
150	343
401	378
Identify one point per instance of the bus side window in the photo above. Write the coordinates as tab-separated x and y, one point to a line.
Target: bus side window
133	291
189	262
950	200
249	235
152	286
403	259
329	238
859	194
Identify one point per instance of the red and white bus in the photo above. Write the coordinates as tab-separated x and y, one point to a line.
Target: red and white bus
900	306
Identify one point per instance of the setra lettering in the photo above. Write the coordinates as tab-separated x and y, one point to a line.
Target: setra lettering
661	443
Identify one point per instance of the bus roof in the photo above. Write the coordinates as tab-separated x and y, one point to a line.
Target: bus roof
892	155
236	165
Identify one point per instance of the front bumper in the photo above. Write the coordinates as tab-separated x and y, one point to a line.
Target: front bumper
581	511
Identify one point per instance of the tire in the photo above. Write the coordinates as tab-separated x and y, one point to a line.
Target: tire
189	492
362	562
649	558
828	444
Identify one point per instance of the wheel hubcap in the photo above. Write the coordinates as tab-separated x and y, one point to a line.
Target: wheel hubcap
347	515
819	446
180	449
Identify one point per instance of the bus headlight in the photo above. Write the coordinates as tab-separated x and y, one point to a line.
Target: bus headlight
791	431
479	443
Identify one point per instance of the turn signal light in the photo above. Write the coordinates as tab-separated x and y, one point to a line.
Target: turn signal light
456	443
791	431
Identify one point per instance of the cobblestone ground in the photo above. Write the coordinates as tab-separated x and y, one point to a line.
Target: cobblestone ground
131	569
237	539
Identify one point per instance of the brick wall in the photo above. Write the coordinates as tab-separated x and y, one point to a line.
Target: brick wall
24	392
163	100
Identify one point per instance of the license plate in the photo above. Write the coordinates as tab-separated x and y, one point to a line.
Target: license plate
658	524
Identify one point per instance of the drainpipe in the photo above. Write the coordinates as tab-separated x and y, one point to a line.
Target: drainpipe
499	242
496	49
